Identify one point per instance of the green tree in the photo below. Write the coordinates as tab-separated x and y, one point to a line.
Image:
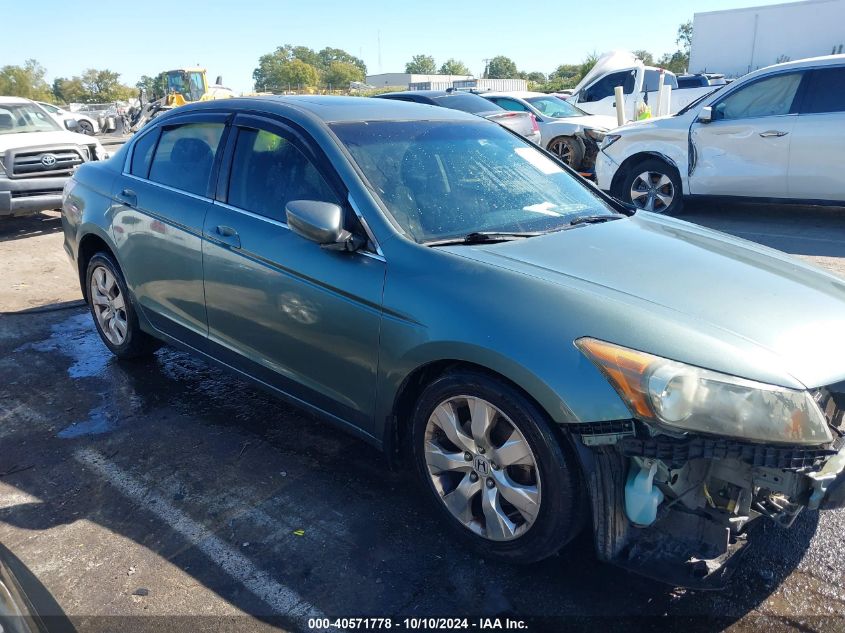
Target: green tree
500	67
677	62
25	81
536	77
282	70
685	36
155	87
646	57
69	90
588	63
328	56
453	66
421	65
340	74
104	86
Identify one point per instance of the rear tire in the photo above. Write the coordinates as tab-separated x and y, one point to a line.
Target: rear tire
86	128
112	309
522	500
651	185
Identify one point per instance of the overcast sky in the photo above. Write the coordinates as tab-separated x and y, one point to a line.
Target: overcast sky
227	38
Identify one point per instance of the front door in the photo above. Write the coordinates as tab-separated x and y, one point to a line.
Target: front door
161	202
300	317
817	153
744	150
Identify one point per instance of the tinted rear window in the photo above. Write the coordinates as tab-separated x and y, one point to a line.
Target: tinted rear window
185	155
825	91
466	102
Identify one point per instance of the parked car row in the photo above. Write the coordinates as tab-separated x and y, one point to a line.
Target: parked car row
776	134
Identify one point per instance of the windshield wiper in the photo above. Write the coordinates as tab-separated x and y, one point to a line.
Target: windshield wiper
484	237
593	219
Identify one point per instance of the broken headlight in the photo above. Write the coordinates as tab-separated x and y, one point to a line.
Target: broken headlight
609	139
690	399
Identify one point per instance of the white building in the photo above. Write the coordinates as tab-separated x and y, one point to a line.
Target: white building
737	41
404	80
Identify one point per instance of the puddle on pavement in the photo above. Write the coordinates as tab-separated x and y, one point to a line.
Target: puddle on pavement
77	339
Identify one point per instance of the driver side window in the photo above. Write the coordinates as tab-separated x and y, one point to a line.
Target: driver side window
772	96
606	86
268	171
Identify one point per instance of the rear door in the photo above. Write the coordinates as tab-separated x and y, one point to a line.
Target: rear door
297	316
744	150
161	201
817	153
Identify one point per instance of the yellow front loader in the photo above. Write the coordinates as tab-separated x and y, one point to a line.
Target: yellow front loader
183	85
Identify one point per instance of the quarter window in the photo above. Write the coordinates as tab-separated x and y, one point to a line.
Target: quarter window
268	171
772	96
825	91
142	153
185	155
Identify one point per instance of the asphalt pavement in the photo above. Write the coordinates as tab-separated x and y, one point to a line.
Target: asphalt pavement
167	489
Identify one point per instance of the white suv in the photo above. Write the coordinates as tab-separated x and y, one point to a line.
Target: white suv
777	134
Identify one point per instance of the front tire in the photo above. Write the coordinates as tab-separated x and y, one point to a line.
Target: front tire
569	149
113	311
652	185
490	463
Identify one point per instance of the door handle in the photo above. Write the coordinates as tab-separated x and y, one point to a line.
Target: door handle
775	133
228	235
128	197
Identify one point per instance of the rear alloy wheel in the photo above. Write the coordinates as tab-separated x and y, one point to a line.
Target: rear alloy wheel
653	185
493	468
85	127
569	149
113	311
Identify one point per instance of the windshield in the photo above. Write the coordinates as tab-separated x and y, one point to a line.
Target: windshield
19	118
466	102
555	107
444	179
187	84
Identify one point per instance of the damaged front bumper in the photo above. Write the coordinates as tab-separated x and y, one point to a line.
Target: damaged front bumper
677	509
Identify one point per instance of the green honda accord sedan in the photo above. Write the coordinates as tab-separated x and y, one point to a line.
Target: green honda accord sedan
544	359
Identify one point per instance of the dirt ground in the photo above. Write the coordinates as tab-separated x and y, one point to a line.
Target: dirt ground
170	490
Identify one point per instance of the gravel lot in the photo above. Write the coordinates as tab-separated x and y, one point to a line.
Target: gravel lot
167	488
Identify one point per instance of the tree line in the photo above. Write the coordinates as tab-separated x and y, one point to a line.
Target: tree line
301	68
92	86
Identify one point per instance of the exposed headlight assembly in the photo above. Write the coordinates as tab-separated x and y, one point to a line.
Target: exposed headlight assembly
610	139
597	135
684	398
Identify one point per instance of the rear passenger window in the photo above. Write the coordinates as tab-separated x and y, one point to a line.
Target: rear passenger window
142	153
825	91
268	171
185	155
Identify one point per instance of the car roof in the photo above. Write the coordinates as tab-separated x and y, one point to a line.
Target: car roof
422	93
14	100
332	109
519	94
799	64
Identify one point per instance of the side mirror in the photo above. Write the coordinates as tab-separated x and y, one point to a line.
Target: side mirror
706	115
321	222
72	124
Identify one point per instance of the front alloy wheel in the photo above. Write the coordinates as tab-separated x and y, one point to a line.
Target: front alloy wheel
483	469
652	191
494	467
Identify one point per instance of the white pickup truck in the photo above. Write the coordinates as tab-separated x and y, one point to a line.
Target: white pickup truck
595	92
37	156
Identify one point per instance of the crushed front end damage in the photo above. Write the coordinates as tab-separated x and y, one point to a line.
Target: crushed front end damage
676	509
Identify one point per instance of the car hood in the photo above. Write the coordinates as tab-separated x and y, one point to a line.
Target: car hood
772	317
38	139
